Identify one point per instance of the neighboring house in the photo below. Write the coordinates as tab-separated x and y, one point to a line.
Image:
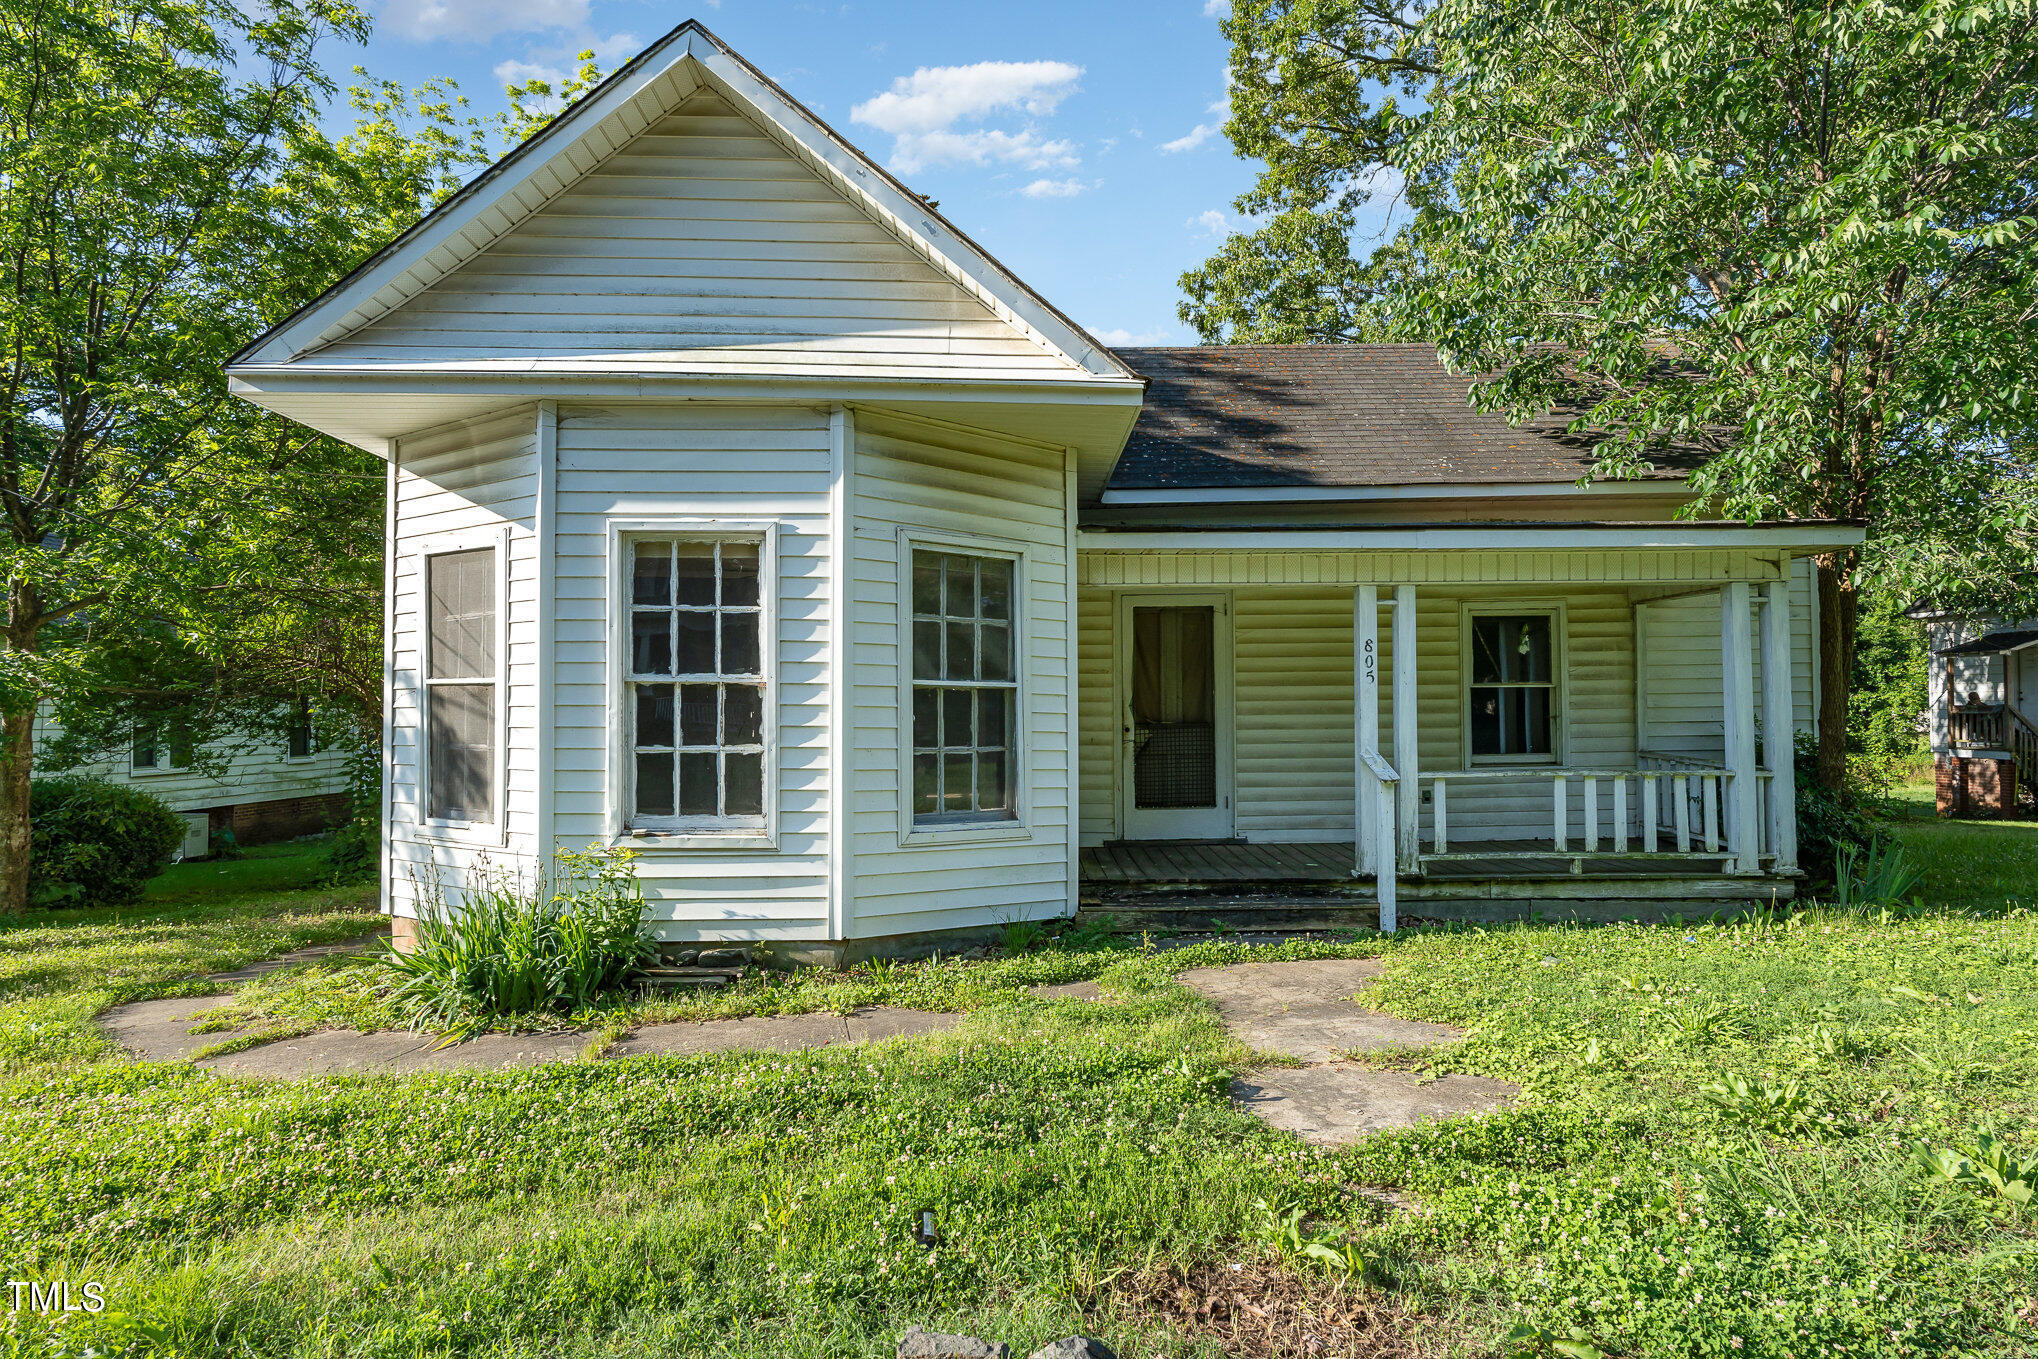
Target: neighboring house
1984	710
744	512
258	788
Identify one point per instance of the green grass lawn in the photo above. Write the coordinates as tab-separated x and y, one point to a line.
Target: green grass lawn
1080	1160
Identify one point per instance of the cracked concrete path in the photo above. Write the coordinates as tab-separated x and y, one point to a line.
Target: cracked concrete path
1306	1010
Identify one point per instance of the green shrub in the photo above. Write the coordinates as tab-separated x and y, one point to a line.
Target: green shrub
94	842
355	854
1829	820
511	948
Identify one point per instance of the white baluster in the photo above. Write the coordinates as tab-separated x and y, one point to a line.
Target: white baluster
1648	813
1591	814
1560	812
1620	814
1709	790
1680	791
1443	836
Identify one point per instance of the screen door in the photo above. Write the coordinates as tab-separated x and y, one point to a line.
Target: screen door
1177	733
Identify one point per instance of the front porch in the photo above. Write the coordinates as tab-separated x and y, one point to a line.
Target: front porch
1584	728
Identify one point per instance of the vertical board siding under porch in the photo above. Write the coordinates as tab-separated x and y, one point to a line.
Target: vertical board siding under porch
701	462
464	485
959	485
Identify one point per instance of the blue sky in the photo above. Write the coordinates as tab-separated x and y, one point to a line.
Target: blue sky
1078	142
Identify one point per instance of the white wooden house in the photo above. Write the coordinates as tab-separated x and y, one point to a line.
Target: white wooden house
1983	718
744	511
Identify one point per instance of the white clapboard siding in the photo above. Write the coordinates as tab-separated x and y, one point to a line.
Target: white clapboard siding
925	477
233	771
462	486
745	464
1292	707
1679	642
704	246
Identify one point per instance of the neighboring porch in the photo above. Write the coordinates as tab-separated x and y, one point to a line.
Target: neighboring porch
1505	733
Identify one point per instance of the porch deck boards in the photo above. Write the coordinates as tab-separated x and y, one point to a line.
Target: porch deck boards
1332	861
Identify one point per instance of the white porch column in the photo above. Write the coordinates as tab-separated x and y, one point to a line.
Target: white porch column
1737	700
1366	724
1407	828
1779	724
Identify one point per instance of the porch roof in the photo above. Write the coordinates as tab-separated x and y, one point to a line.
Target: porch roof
1994	643
1794	535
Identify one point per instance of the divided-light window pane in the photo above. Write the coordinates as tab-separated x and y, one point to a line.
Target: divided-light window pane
696	684
965	688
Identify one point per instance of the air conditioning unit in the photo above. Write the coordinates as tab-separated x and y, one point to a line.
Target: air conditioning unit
197	836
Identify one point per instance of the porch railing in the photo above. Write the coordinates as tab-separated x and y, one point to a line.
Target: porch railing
1979	726
1667	807
1383	834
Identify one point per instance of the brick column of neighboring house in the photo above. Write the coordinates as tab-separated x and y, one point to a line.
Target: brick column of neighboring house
1979	786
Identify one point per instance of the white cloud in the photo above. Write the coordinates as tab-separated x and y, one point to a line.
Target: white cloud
1217	9
922	111
938	97
1028	150
1055	188
1191	139
1212	223
425	20
1118	337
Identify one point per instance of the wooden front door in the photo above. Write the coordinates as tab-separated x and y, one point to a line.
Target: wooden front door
1174	678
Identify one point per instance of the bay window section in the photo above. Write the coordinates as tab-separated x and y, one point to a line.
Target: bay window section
965	700
695	684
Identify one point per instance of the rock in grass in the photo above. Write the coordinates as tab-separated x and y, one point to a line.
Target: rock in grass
722	957
919	1343
1075	1347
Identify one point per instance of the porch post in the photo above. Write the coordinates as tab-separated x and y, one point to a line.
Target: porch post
1409	800
1779	724
1737	701
1366	724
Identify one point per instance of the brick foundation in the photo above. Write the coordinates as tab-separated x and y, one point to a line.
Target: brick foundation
403	933
1975	787
262	823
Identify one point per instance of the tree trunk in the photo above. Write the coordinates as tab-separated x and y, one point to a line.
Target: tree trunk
17	758
1839	608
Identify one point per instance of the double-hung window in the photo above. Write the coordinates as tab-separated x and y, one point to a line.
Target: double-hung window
160	746
1512	693
299	741
463	686
965	688
695	684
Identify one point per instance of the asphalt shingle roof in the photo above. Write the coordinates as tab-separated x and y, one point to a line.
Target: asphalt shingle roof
1328	415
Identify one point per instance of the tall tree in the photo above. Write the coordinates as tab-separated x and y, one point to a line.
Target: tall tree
1801	238
163	193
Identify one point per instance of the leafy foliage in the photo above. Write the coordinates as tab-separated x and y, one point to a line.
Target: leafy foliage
507	948
97	842
1788	249
1985	1165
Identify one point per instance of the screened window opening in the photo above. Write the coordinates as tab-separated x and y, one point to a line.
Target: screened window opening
696	686
1513	687
462	684
965	688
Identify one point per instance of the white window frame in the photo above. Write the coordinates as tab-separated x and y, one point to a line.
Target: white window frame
1553	609
494	832
163	765
621	776
1019	826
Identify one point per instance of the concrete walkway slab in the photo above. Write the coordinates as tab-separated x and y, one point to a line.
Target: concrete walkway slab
1082	990
160	1030
1305	1009
343	1052
780	1033
1339	1102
